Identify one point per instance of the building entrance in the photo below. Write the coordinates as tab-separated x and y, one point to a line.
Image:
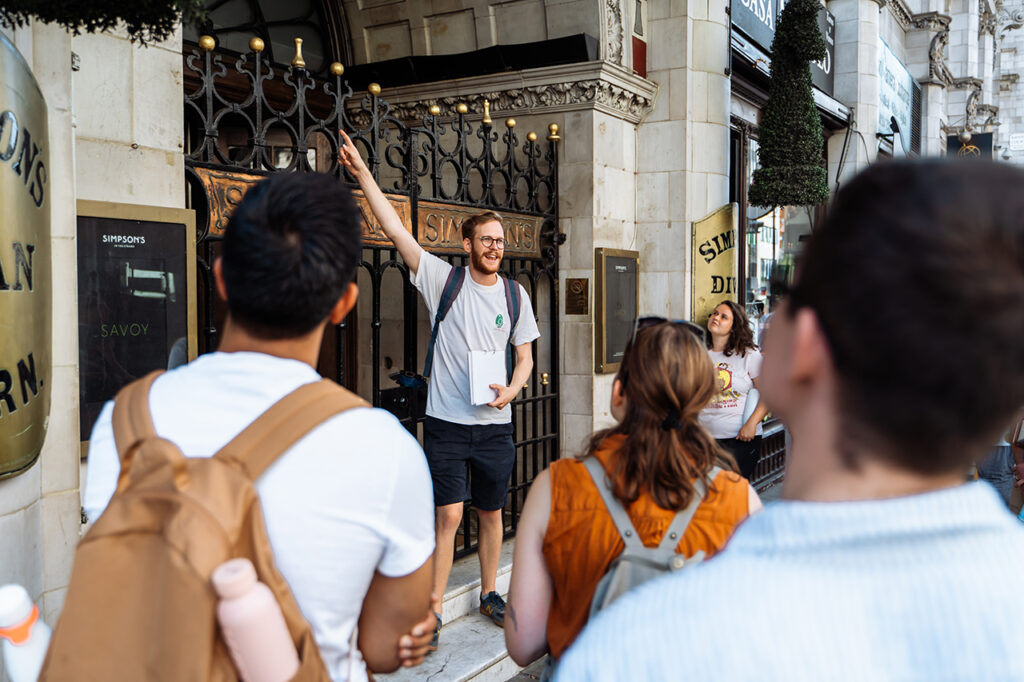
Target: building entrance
246	118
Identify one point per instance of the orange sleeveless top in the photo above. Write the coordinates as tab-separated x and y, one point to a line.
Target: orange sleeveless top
581	540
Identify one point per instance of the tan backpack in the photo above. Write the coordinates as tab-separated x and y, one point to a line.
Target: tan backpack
140	605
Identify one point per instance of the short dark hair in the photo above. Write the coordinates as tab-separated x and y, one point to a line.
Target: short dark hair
917	278
290	250
470	223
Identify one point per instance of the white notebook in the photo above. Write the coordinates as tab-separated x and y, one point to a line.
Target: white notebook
486	367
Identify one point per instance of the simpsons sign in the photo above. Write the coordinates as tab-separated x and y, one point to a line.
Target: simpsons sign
713	261
24	265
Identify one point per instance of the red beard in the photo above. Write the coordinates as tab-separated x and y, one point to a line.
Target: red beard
483	265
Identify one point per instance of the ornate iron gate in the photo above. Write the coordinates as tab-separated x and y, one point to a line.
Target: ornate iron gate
246	119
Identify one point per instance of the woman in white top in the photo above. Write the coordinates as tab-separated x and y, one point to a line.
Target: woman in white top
737	364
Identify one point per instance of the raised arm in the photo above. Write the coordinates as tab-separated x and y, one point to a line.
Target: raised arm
382	209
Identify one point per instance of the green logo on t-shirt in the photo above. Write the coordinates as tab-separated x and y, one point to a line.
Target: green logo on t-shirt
499	320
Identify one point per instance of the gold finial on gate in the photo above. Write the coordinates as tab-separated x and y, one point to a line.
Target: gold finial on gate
207	43
544	378
553	132
487	112
461	108
531	136
337	68
256	44
373	89
297	61
435	110
510	123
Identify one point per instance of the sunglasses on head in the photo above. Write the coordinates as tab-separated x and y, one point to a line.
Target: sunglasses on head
651	320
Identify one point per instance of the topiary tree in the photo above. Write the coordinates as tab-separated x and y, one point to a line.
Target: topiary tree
790	136
145	20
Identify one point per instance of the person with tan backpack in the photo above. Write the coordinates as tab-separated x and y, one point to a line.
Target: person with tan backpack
246	452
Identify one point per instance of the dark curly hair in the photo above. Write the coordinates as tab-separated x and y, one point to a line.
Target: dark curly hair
741	337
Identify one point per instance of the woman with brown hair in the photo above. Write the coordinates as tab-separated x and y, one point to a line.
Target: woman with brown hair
566	539
737	361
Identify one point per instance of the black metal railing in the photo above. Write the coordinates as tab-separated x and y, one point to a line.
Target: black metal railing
246	118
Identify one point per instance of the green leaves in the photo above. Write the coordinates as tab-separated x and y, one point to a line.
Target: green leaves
146	21
789	136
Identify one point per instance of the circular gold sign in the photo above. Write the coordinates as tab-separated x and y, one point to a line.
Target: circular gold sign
25	301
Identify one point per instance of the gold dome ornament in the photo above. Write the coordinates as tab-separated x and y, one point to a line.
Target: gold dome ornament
553	132
207	43
462	108
337	68
297	61
510	123
531	136
435	110
373	89
964	136
256	44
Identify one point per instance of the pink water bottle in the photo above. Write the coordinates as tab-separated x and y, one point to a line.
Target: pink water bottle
252	625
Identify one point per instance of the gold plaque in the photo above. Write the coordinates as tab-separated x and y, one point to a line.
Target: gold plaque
714	261
440	228
225	190
25	295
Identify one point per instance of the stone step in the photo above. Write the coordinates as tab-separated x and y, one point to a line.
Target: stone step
471	646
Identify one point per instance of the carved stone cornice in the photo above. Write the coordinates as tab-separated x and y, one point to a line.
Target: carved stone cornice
937	23
614	32
606	87
987	115
988	19
901	12
1007	81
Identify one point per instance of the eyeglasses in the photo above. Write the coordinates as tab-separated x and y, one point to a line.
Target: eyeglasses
496	242
651	320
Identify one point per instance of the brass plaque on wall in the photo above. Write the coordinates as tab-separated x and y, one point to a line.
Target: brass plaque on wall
440	228
225	190
25	294
714	261
577	296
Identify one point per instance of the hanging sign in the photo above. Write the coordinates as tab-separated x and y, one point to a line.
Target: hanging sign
25	295
226	189
713	261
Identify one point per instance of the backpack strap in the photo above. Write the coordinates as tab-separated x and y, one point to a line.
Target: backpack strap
676	529
452	287
618	513
285	423
512	303
132	421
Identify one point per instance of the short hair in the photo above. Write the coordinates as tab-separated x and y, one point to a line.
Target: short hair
917	278
470	223
290	250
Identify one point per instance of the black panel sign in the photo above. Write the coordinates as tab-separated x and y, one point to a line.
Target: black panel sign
978	147
617	295
758	19
133	292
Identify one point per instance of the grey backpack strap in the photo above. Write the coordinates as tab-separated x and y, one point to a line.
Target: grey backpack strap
681	522
618	513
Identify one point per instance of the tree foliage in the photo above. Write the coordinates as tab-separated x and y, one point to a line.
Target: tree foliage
145	21
790	139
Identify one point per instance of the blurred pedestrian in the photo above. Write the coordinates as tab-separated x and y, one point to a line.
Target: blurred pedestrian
737	361
894	362
348	507
566	538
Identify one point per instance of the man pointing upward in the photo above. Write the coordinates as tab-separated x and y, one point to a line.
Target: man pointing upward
461	438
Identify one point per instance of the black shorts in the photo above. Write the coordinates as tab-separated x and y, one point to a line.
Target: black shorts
469	462
746	452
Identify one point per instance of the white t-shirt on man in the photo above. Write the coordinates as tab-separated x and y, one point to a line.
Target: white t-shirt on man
352	497
723	417
478	320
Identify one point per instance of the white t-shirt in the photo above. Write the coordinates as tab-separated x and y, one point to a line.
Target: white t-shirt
723	416
351	498
476	321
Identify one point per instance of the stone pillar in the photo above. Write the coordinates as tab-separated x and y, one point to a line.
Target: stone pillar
856	83
926	60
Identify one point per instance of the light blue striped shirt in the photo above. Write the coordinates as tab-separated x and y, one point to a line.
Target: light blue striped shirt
923	588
